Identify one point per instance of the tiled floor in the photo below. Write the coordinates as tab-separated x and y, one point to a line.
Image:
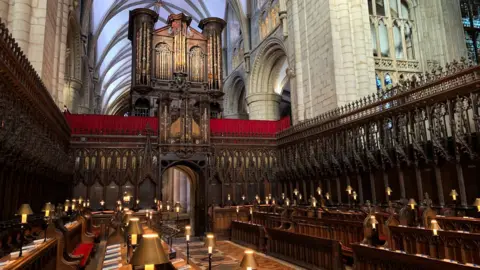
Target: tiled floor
227	255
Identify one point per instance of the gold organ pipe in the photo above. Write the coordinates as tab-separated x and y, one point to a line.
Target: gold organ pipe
219	65
148	55
137	53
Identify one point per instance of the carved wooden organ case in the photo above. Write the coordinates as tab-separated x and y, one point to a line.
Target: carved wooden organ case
180	69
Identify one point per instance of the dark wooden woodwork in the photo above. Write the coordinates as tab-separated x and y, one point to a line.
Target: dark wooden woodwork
223	218
34	137
371	258
41	258
307	251
451	245
248	234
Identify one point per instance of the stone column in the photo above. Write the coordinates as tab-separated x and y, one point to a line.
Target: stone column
4	7
264	106
20	25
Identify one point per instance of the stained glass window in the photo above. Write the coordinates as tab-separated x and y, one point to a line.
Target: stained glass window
471	22
379	83
388	81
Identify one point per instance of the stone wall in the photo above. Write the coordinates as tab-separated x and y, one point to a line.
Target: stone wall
40	29
329	48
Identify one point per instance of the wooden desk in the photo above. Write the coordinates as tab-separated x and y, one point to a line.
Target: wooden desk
43	257
124	255
307	251
452	245
73	236
371	258
459	224
248	234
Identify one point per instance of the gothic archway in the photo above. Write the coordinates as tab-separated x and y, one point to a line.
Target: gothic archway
265	84
197	204
235	99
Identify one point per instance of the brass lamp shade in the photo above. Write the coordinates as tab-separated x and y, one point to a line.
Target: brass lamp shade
134	227
248	261
477	204
47	207
319	190
349	189
178	206
434	225
149	252
25	209
412	203
210	240
188	230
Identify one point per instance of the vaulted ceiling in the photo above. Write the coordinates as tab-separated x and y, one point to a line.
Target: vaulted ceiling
113	49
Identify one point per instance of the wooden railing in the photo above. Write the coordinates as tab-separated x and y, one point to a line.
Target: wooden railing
422	131
371	258
307	251
34	136
223	218
451	245
248	234
443	80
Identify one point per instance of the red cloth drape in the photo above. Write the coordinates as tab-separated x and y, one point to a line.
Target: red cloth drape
109	124
239	127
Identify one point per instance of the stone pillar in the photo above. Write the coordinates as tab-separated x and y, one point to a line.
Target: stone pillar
264	106
20	25
4	7
212	29
439	35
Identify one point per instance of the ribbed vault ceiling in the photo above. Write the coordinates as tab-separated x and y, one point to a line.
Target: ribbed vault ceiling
112	47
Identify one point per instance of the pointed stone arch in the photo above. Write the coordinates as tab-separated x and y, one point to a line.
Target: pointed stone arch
263	101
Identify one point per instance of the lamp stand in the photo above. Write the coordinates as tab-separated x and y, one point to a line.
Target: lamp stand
22	231
178	224
210	261
46	227
188	252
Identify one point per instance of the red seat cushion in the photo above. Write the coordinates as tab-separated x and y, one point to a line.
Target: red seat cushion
382	237
85	250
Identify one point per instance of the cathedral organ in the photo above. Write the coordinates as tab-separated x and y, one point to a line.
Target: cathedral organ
180	68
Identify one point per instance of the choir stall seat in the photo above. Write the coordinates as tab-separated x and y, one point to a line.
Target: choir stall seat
84	249
79	243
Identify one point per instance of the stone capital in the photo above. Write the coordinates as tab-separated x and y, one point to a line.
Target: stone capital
256	97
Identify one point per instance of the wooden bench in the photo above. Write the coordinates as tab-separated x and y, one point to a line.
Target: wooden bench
43	257
451	245
459	224
345	231
223	217
372	258
78	243
303	250
248	234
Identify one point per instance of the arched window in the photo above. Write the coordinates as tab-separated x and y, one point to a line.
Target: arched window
392	37
163	62
471	24
379	82
197	65
388	81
